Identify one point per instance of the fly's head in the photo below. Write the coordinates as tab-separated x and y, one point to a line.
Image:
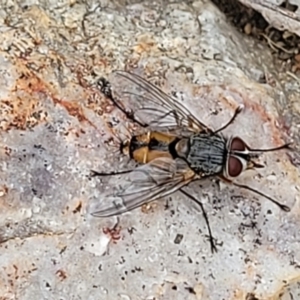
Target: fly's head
240	157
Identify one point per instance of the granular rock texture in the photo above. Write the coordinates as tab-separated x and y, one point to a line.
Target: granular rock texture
55	126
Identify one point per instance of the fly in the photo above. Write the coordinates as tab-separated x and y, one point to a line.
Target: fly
174	148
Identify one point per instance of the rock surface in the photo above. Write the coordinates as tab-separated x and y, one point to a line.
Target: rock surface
56	126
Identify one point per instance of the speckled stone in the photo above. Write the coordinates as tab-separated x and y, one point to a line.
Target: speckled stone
56	126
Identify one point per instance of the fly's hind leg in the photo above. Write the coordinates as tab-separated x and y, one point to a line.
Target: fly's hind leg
211	238
105	88
236	113
96	173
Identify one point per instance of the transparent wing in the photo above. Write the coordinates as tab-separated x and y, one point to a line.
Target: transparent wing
149	182
152	107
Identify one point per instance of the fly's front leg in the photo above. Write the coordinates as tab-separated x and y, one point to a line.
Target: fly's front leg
238	110
249	188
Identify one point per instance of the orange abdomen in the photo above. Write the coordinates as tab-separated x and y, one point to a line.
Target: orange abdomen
149	146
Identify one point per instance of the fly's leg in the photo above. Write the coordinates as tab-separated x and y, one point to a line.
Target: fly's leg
105	88
249	188
95	173
211	238
237	111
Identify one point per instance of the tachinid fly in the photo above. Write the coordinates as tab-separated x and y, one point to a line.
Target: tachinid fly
174	148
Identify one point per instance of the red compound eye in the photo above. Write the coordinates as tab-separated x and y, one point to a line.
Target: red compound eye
235	167
237	145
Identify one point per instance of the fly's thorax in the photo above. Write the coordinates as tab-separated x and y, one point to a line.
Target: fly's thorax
206	153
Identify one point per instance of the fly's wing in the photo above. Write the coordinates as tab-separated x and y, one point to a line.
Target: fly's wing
149	182
151	107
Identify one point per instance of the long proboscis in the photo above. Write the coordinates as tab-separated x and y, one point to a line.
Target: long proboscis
282	206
